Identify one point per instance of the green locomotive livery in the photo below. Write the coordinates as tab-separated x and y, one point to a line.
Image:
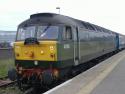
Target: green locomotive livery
50	46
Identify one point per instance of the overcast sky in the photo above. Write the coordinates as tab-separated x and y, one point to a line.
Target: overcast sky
106	13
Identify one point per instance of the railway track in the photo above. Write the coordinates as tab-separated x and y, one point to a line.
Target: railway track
5	83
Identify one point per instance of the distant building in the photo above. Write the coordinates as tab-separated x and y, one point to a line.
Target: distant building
7	36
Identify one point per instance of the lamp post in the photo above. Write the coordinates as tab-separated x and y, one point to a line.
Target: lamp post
58	9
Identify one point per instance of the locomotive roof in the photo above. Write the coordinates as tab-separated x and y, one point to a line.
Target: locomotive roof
53	18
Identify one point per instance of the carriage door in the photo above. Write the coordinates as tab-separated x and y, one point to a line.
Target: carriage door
76	46
117	41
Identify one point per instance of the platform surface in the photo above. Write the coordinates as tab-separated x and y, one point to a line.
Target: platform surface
108	77
114	83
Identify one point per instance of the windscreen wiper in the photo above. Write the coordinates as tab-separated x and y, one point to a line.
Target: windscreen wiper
46	28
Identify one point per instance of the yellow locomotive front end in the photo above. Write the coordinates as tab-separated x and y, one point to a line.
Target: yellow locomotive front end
35	54
45	51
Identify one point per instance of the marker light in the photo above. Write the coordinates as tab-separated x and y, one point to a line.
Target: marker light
36	63
51	48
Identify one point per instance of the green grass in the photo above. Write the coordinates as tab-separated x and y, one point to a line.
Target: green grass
10	90
5	65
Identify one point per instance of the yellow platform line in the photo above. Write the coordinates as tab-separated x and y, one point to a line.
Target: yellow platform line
95	82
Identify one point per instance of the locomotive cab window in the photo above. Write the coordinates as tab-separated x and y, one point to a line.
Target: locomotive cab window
67	33
26	32
42	32
47	32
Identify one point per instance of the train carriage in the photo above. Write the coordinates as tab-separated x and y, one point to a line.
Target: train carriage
121	41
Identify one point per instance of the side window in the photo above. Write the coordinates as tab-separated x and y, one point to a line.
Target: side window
67	33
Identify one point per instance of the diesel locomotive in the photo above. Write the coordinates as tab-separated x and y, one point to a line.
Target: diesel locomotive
49	46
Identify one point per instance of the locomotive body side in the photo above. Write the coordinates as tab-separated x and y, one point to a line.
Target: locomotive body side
95	43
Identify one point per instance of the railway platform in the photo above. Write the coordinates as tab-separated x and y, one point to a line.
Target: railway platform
108	77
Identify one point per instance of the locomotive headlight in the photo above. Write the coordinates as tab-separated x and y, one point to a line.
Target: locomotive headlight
36	63
42	52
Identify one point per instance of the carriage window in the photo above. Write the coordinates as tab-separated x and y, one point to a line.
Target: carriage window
67	33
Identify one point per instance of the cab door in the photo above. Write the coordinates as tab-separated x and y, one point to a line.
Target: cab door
76	46
66	47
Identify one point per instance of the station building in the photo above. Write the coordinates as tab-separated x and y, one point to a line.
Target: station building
7	36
